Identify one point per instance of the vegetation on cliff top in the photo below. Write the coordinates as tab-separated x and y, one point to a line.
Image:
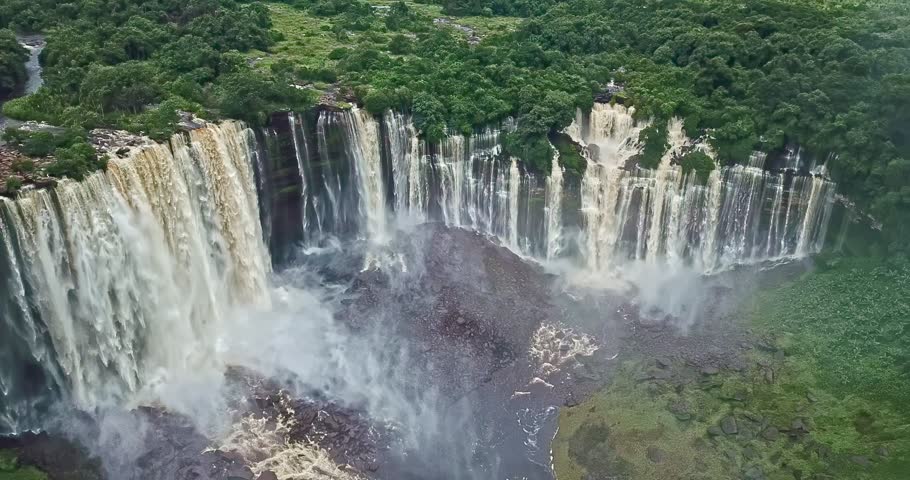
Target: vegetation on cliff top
833	76
131	64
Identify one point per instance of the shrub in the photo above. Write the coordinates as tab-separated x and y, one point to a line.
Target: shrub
13	184
698	161
654	139
76	162
24	166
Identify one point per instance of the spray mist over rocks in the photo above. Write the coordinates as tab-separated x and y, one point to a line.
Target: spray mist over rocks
334	297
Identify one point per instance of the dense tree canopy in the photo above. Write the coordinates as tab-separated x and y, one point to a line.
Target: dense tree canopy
12	63
831	76
113	62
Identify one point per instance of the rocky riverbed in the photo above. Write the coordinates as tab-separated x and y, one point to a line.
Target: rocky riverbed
498	353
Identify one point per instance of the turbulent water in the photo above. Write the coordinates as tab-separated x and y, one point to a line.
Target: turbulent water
116	283
152	252
615	213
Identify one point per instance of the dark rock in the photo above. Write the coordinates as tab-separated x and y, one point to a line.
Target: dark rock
823	451
680	410
715	431
728	425
754	473
267	475
752	416
881	452
656	455
663	362
709	370
750	453
861	460
460	320
812	398
798	426
770	434
769	375
240	472
745	434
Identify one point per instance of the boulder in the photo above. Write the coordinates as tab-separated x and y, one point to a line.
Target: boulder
728	425
656	455
267	475
770	434
754	473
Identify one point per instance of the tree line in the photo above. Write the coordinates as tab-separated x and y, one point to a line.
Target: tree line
832	76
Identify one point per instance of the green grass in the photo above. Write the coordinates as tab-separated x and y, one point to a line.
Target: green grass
842	370
852	319
308	39
10	469
611	432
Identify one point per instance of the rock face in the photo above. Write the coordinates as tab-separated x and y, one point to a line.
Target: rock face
116	143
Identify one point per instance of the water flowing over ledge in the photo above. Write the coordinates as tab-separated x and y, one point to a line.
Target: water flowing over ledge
116	282
356	174
152	252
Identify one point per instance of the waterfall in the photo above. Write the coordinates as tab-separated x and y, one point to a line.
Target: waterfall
553	210
408	170
363	145
116	279
609	133
113	282
738	214
741	214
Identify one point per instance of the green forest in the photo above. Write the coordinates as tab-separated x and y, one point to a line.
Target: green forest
833	76
12	63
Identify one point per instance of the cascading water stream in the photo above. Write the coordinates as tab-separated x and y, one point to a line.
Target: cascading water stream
118	279
110	280
553	210
739	214
663	215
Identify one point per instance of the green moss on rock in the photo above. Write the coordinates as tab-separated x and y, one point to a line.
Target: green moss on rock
11	470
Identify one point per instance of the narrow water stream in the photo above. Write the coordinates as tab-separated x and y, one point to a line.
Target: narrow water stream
35	44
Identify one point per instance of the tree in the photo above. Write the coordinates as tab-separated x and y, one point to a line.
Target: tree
129	86
12	63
